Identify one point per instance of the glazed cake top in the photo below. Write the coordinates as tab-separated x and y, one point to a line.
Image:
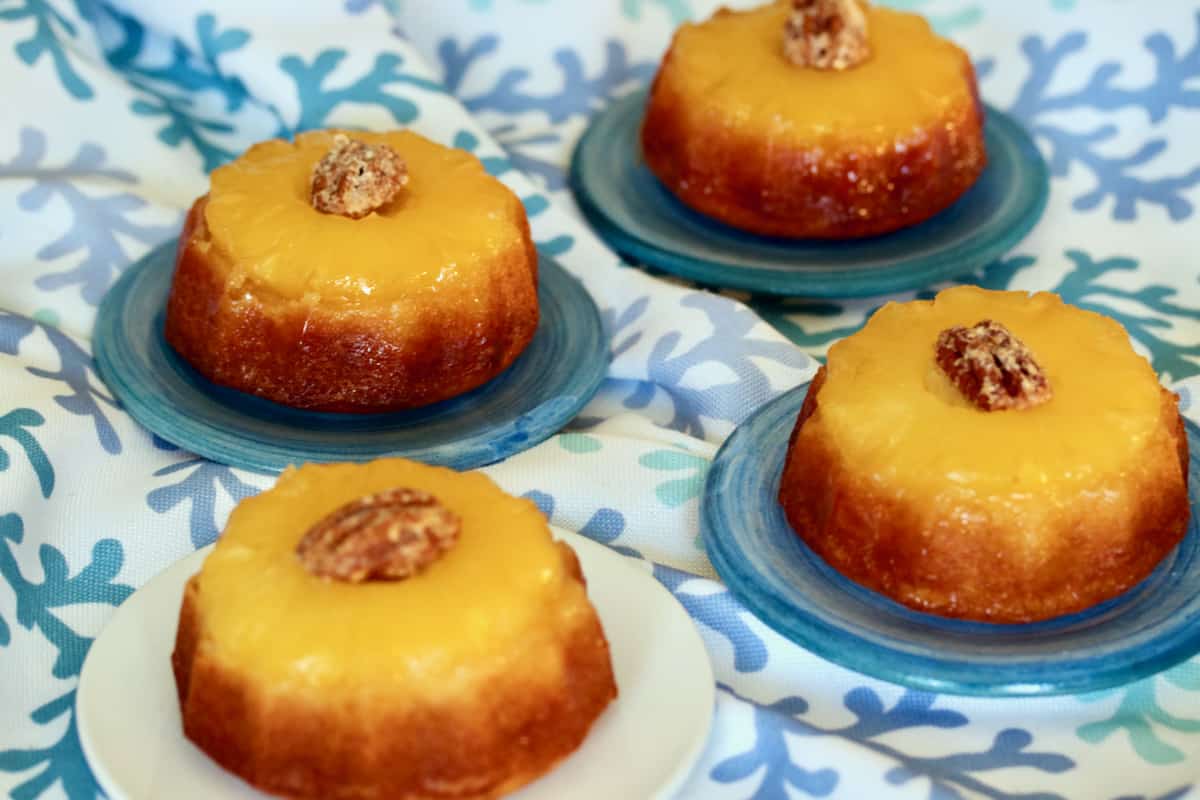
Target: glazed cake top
449	222
735	61
498	602
890	411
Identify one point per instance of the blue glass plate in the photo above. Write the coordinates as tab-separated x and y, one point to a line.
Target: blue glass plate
640	219
544	388
1151	627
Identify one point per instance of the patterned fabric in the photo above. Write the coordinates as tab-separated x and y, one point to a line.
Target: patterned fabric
114	114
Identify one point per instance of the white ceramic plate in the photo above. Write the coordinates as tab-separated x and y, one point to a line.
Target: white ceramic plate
643	746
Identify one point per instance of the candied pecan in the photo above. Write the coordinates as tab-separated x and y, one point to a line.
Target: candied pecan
991	367
355	178
826	34
389	535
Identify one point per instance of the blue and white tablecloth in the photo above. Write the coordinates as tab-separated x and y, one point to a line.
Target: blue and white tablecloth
112	114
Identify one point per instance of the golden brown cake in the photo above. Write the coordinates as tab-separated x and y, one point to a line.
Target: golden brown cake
781	121
1011	471
301	281
389	630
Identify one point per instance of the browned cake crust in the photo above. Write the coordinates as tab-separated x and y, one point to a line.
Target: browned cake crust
878	542
754	182
486	747
329	360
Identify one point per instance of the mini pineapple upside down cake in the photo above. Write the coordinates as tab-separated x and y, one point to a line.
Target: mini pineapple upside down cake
389	630
987	455
824	119
354	272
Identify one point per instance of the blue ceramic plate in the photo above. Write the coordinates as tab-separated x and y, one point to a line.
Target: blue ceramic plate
640	219
776	576
544	388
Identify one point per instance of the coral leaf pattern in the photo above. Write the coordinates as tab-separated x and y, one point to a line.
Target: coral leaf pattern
789	316
76	370
50	28
949	775
318	100
617	323
771	751
730	343
1140	715
677	10
1083	286
62	762
721	613
100	223
1117	176
183	124
199	488
186	71
36	601
579	443
677	491
13	425
578	97
605	525
175	90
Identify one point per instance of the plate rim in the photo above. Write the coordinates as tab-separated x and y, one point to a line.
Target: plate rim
269	457
846	648
863	282
672	781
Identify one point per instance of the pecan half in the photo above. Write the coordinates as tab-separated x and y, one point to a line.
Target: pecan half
991	367
826	34
355	178
389	535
